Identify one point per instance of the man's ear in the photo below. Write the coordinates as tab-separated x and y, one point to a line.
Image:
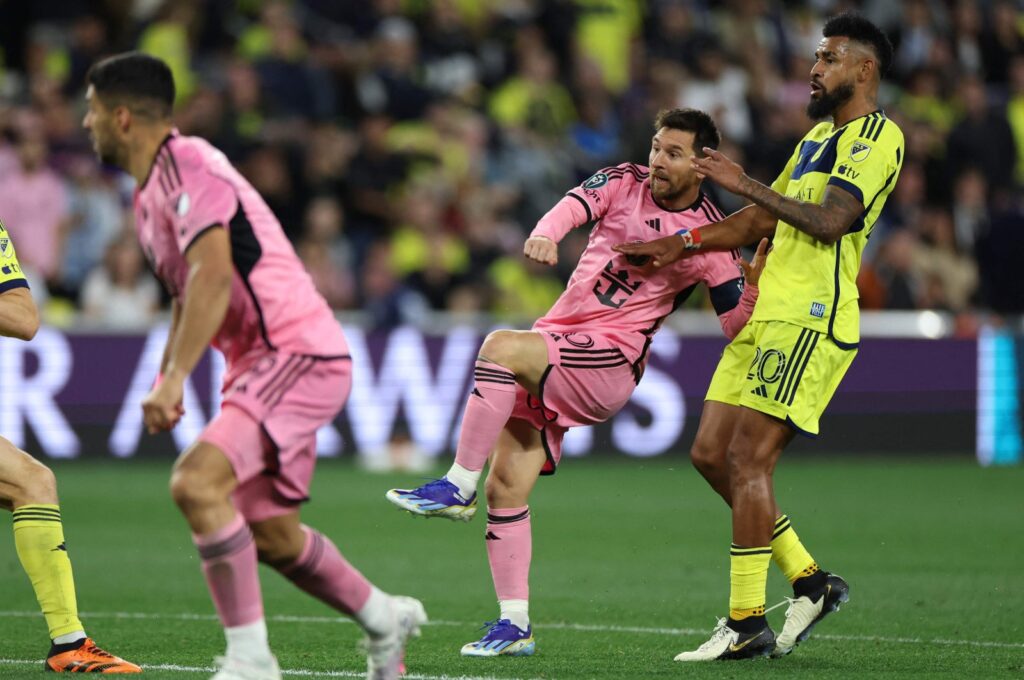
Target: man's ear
123	118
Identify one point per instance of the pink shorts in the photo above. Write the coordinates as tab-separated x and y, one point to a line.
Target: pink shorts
588	380
267	428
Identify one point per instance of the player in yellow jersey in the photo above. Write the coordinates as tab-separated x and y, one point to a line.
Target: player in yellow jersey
779	373
28	488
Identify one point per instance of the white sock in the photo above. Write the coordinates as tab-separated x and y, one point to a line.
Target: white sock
248	642
69	637
516	611
466	480
377	617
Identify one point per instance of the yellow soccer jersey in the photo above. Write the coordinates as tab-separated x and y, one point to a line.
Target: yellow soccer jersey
11	275
806	282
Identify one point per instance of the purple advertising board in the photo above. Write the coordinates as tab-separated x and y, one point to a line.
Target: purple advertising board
67	395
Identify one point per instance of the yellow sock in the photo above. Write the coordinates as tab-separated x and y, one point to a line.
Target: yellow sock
748	581
789	553
39	540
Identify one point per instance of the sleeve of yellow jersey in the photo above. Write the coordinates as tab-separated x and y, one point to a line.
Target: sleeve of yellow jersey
11	275
868	156
782	181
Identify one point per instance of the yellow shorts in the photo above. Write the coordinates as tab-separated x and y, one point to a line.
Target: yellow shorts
781	369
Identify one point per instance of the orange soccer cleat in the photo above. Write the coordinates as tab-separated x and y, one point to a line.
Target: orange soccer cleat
87	658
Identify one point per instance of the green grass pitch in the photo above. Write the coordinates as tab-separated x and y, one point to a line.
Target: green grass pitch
630	568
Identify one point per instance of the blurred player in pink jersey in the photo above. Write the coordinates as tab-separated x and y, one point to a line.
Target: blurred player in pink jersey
581	362
238	285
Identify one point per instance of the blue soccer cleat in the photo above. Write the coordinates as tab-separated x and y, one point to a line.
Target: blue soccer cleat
502	639
439	498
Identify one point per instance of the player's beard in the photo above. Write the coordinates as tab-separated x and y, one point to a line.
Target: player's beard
827	102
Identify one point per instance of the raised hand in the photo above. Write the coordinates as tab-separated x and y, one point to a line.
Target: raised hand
719	168
752	270
541	249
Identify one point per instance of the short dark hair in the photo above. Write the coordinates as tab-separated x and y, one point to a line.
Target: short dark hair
856	27
705	132
139	81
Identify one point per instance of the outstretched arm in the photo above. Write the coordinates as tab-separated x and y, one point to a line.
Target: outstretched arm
826	221
743	227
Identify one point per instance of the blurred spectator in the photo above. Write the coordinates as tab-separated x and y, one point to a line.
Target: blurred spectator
34	206
394	85
982	138
532	101
326	254
96	218
1015	112
121	294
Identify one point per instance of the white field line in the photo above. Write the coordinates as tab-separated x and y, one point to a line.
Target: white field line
583	627
284	671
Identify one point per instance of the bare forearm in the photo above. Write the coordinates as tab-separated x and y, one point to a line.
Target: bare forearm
171	333
742	228
820	221
202	313
19	317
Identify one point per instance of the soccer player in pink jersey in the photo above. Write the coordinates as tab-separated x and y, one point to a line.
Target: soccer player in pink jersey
237	283
581	362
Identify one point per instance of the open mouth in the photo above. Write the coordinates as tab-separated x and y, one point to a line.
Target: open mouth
816	88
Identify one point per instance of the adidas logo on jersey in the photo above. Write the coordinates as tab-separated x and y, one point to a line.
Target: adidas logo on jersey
761	391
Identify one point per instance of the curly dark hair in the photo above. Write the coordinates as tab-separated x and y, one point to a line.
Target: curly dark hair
856	27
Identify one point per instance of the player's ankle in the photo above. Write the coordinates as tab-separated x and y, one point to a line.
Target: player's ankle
466	480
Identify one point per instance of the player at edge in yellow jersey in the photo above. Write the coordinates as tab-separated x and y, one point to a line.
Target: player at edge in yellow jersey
776	377
29	490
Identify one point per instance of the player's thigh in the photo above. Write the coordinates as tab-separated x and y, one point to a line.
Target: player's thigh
756	443
515	464
525	353
738	359
23	478
795	376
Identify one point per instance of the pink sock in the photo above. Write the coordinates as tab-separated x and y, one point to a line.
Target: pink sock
229	563
509	548
487	410
322	572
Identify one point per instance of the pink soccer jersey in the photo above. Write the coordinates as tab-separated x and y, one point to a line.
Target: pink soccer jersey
274	306
609	294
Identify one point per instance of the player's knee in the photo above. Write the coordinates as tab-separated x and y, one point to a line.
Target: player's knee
709	458
36	483
500	347
190	490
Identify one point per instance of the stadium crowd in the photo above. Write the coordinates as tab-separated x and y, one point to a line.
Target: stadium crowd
409	146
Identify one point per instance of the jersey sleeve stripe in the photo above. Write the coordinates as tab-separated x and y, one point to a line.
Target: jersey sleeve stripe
847	186
12	284
586	206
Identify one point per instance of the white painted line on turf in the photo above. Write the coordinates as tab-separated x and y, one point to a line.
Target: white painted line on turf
585	627
299	672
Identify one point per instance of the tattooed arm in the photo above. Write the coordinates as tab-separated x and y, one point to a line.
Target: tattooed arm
826	221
